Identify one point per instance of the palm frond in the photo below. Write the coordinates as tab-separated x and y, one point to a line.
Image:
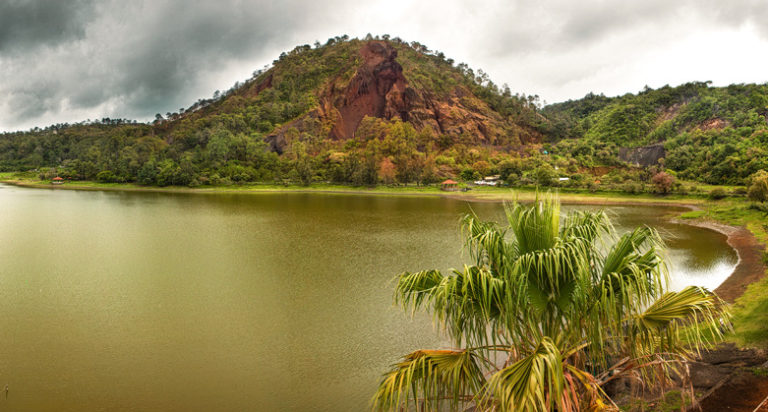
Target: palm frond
694	312
535	227
532	384
465	304
635	266
486	244
590	226
426	379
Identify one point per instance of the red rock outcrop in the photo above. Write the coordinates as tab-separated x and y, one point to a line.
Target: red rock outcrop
375	90
379	88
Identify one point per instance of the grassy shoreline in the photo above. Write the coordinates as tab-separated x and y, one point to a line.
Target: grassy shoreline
490	194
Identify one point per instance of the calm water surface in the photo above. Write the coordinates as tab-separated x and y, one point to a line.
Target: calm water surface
268	302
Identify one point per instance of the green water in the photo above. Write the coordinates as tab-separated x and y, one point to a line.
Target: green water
216	302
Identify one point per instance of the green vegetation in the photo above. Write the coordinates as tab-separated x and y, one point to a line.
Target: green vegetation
672	401
758	186
716	135
709	135
750	316
694	214
717	194
750	311
545	319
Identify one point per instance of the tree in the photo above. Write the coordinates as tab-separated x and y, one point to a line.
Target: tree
545	316
302	163
387	171
469	174
545	174
510	170
663	182
758	186
482	167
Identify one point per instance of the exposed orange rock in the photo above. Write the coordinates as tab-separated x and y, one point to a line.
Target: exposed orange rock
257	88
380	89
713	124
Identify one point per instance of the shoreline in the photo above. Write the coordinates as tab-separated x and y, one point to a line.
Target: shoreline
748	269
480	195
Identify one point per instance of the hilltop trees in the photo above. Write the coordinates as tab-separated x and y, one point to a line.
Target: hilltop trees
716	135
544	317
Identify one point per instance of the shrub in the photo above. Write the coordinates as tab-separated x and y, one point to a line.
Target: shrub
761	207
105	176
468	174
663	182
545	175
758	186
717	194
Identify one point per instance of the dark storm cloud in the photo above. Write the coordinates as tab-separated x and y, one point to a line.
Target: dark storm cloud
132	58
71	60
30	23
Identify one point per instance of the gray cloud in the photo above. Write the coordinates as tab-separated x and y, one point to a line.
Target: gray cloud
28	24
132	58
67	61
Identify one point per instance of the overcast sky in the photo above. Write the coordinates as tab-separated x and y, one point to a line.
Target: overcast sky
66	61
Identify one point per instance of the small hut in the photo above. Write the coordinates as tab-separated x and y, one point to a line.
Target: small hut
449	185
57	180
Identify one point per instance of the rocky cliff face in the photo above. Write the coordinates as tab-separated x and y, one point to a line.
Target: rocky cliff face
379	88
643	156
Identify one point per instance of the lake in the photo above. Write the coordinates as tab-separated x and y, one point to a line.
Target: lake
230	302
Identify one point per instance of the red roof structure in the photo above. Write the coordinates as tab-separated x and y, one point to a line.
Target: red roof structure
450	182
57	178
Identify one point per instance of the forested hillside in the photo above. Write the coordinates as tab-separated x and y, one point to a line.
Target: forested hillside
349	111
718	135
384	111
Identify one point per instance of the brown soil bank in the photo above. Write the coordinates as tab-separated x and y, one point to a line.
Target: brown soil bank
743	392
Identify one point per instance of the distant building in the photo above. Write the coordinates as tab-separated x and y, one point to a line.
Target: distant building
57	180
489	181
449	185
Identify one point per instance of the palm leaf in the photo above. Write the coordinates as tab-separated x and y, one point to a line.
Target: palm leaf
429	378
533	383
465	304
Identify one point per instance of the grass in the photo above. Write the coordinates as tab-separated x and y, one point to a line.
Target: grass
693	214
750	316
483	193
671	401
760	371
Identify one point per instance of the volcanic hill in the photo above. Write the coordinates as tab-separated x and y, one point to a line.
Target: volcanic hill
329	90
